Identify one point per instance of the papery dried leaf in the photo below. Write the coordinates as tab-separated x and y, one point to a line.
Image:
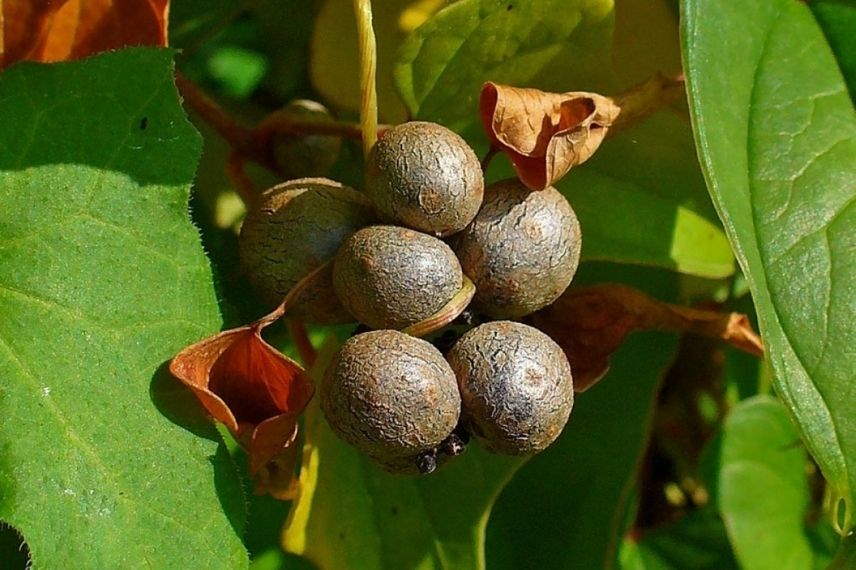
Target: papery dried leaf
273	454
242	380
591	323
545	134
57	30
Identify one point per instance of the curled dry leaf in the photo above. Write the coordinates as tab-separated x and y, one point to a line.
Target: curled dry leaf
591	323
256	391
57	30
545	134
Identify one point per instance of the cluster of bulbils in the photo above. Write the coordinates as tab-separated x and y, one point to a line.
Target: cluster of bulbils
396	397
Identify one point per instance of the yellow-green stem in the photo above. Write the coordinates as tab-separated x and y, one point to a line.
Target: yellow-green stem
368	65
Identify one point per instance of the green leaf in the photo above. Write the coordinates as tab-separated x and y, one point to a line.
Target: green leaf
776	133
761	487
838	20
564	508
553	44
640	199
351	514
102	280
696	541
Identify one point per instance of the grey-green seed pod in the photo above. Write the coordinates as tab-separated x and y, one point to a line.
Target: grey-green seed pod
426	177
392	396
299	156
390	277
516	387
295	227
521	250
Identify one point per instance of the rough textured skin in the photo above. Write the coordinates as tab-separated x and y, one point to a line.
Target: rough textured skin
310	155
392	396
521	250
390	277
297	226
424	176
516	386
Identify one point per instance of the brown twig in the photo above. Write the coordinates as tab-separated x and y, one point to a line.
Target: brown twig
645	99
238	136
485	162
239	179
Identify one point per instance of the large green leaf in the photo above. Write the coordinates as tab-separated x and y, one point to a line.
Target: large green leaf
776	133
102	279
353	515
641	199
761	487
556	44
649	173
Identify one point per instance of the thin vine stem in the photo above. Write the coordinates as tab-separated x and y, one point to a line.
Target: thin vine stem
368	70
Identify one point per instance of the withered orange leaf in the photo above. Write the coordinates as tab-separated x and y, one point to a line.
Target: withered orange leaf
57	30
256	391
590	324
544	134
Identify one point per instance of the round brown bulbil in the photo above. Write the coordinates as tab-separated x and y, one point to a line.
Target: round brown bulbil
390	277
426	177
515	384
296	227
299	156
392	396
521	250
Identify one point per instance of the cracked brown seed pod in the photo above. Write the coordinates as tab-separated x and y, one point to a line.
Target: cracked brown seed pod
521	250
295	227
392	396
300	156
424	176
390	277
515	384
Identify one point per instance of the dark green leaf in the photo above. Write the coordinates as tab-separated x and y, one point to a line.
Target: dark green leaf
696	541
102	280
838	20
776	133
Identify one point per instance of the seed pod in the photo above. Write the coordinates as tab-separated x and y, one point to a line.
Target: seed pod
392	396
299	156
390	277
521	250
516	387
424	176
296	227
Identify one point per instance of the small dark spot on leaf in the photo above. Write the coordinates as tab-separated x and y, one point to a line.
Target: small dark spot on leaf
341	536
509	7
393	510
144	123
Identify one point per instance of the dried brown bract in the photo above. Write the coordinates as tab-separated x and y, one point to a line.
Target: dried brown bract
591	323
545	134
